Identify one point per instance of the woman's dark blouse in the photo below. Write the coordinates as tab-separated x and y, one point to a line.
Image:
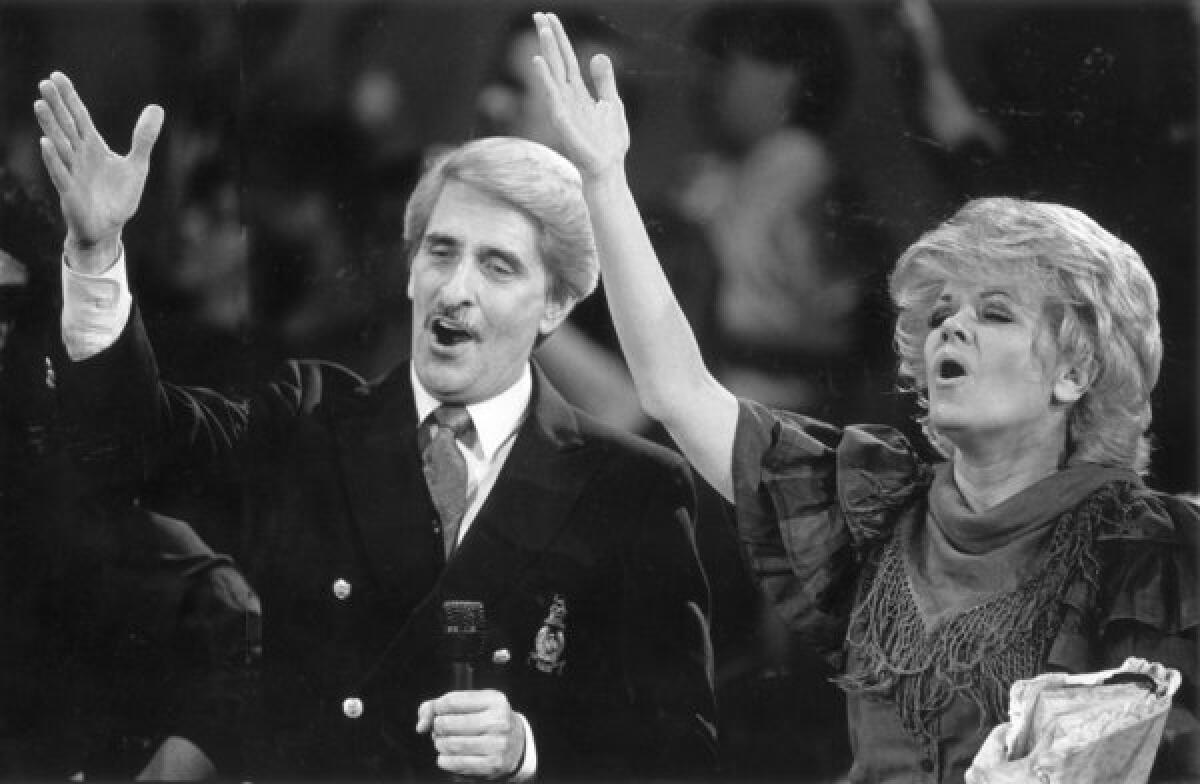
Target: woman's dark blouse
818	507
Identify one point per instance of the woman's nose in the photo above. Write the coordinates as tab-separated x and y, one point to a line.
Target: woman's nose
954	327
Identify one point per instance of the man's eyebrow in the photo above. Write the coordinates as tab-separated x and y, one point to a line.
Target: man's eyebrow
435	238
512	259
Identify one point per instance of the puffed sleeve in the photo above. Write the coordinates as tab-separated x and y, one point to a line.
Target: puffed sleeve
1145	602
812	500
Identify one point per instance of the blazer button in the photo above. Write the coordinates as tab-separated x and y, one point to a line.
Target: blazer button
352	707
342	589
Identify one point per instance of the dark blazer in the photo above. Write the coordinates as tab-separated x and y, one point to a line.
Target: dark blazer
340	542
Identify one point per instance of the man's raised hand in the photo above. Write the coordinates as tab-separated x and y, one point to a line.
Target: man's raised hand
98	190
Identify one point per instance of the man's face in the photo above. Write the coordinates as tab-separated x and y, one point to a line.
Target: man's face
479	293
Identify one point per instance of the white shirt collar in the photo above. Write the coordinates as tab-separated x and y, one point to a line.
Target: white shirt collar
495	419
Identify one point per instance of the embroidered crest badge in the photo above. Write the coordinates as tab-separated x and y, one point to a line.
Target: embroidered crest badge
551	639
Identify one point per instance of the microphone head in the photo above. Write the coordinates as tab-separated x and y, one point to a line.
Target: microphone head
464	628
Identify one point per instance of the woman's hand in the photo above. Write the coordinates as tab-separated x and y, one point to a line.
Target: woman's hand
594	132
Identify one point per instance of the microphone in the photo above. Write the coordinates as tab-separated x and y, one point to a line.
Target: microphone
464	634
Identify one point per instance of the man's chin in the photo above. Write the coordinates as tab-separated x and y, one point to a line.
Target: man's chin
443	376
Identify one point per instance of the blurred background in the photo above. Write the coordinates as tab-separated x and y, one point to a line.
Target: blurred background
784	154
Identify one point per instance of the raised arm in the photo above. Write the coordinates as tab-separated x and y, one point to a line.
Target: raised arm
673	384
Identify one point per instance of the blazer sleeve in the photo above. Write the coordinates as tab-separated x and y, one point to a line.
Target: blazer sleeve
123	422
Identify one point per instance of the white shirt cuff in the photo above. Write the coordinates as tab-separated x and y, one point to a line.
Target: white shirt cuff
528	767
96	308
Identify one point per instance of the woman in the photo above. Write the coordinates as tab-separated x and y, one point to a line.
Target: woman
1030	337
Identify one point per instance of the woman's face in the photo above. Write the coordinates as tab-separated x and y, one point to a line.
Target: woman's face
991	366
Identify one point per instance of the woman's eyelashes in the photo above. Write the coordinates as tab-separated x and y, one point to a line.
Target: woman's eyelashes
996	313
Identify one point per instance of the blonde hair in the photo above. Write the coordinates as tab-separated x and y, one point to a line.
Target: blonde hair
1101	311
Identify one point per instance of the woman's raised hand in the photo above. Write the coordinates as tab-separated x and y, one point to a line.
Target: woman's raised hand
594	132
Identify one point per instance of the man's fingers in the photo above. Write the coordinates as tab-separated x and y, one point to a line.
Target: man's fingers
467	765
62	117
469	745
467	701
604	79
54	166
54	133
482	722
145	133
425	717
79	112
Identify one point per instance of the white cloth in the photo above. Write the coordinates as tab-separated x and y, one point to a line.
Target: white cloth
1080	729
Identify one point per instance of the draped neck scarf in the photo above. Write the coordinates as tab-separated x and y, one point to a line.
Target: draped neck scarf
959	605
960	557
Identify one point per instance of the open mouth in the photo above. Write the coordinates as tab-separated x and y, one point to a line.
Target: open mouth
447	332
950	369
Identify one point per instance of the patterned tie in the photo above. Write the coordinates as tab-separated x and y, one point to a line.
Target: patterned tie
444	466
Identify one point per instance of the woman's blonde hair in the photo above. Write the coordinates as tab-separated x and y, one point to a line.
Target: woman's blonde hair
1101	310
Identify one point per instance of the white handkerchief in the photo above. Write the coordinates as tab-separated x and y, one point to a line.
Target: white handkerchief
1095	728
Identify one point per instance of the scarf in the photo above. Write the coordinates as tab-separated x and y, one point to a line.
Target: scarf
967	603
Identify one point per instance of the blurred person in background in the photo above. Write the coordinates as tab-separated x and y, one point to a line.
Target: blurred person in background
771	82
130	647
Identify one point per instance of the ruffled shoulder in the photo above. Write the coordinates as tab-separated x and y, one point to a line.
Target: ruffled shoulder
800	524
868	472
1147	545
1143	598
879	473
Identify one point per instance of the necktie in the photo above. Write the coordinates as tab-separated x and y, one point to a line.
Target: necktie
444	467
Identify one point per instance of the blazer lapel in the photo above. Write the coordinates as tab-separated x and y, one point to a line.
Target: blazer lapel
532	498
385	488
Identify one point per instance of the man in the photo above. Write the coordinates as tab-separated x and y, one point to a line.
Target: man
573	539
129	647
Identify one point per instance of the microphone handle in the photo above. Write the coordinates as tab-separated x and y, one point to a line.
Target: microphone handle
463	675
